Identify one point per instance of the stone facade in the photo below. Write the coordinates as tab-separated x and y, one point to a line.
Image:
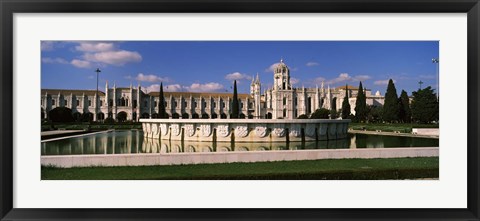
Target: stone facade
282	101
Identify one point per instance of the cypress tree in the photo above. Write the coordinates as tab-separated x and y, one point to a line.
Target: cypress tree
390	107
345	105
404	113
162	113
361	105
235	101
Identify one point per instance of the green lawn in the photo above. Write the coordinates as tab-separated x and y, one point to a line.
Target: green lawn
403	128
344	169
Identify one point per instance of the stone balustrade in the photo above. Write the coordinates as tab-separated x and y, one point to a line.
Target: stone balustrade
245	130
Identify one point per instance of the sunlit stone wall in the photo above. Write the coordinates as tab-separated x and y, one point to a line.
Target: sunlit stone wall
245	130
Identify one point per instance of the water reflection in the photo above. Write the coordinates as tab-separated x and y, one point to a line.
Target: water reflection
131	142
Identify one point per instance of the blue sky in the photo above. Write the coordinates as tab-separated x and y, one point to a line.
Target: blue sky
211	66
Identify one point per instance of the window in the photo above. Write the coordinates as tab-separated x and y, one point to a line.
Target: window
65	102
214	105
89	103
284	101
175	104
101	103
186	105
78	102
241	105
194	104
154	103
223	104
166	104
134	103
53	101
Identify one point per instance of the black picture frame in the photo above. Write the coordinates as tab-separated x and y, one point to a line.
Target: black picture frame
9	7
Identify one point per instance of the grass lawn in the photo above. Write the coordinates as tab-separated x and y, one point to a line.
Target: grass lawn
342	169
403	128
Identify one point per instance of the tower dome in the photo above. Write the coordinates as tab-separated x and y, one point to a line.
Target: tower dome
281	67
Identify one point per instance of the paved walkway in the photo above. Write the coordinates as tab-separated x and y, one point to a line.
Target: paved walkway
59	132
391	134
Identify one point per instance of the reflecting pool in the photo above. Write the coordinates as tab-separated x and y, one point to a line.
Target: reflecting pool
131	142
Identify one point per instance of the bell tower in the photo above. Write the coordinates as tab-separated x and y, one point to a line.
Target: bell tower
281	77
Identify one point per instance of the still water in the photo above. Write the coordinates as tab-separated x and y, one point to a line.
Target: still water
131	142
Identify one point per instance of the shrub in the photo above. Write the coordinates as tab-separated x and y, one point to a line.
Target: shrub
61	114
303	116
321	113
109	120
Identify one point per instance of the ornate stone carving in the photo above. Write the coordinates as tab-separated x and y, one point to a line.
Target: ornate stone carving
155	130
241	130
322	129
279	130
206	130
147	128
261	130
310	130
222	130
175	129
295	130
189	130
163	129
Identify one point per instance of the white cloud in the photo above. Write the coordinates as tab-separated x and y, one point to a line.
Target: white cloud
195	87
318	80
208	87
237	76
46	45
341	78
166	88
173	88
81	63
151	78
345	77
383	82
54	60
361	77
117	58
294	80
312	63
95	46
272	67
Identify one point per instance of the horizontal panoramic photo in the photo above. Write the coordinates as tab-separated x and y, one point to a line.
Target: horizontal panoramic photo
237	110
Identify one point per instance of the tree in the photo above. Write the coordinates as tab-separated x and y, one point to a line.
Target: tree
162	113
390	107
404	112
374	114
321	113
425	106
345	105
333	114
303	116
235	105
361	105
61	115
